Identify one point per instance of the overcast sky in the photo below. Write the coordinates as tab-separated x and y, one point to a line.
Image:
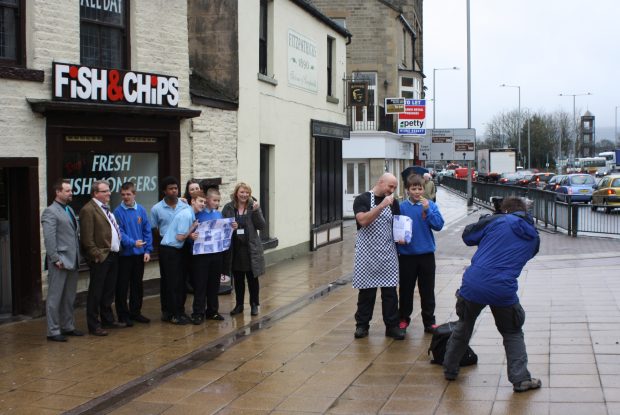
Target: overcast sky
547	47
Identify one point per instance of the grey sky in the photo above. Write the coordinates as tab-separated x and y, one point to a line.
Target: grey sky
547	47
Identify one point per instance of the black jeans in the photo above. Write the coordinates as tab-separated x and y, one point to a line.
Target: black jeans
366	303
509	322
101	289
253	287
206	273
174	281
420	268
130	276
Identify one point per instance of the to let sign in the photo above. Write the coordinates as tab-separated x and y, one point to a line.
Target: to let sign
412	121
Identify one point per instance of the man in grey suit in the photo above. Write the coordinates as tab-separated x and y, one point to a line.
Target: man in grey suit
61	235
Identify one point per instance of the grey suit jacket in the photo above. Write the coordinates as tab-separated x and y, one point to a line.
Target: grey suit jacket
61	238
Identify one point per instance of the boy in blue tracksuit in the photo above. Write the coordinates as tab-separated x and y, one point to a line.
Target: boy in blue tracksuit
505	242
136	248
416	260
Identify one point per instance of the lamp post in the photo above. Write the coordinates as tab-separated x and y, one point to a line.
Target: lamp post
454	68
574	115
616	140
519	120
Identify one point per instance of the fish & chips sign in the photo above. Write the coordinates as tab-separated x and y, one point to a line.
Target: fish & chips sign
113	86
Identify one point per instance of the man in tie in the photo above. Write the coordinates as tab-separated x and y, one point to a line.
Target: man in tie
101	242
61	238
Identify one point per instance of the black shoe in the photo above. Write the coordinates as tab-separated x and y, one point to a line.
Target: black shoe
127	322
216	316
114	325
450	376
98	332
237	310
254	310
73	332
395	332
197	319
360	332
165	318
57	338
430	328
141	319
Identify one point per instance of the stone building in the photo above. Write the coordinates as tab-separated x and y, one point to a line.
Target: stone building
386	54
275	67
88	90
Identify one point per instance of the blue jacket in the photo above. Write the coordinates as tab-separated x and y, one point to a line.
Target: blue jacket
423	223
505	243
134	224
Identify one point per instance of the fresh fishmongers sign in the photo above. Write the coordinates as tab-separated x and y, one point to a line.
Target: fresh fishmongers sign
113	86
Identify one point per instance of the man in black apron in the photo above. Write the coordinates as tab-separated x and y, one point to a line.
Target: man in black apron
376	260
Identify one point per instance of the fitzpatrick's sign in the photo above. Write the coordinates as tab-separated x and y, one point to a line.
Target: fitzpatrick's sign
113	86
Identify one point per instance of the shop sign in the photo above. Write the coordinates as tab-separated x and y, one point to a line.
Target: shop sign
113	86
85	167
302	62
358	94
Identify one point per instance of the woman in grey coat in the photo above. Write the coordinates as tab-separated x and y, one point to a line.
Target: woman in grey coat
246	260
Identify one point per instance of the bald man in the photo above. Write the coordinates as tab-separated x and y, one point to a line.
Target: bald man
376	261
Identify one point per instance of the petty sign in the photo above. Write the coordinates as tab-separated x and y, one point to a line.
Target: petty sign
412	121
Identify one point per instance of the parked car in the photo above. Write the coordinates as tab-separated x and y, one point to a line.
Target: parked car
606	193
540	180
554	183
509	178
575	188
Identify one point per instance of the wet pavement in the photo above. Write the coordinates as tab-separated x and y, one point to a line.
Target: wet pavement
299	354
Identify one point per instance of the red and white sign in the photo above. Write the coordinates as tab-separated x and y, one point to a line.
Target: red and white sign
113	86
411	122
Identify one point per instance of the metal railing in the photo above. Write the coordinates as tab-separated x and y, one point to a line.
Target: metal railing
546	210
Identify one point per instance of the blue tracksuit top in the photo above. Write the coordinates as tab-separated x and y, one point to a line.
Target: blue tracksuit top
207	214
422	239
505	243
134	224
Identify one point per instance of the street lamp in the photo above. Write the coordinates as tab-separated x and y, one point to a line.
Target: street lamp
454	68
519	121
574	115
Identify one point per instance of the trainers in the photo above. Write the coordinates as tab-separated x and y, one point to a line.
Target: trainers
197	319
179	320
395	332
430	329
526	385
215	316
403	324
360	332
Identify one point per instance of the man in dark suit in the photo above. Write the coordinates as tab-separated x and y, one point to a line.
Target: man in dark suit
101	242
61	238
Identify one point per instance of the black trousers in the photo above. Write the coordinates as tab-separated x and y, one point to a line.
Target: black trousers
420	268
253	287
101	289
206	273
174	281
366	303
129	281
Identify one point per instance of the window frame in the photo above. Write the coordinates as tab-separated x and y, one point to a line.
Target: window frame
263	38
126	37
20	33
331	43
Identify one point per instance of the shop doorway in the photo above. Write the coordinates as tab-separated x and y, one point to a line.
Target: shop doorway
355	181
20	253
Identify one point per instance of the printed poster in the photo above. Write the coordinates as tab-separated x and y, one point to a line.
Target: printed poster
213	236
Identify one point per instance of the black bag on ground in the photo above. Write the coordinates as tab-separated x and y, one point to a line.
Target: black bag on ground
440	341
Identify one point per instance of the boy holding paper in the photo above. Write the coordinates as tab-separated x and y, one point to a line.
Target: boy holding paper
416	259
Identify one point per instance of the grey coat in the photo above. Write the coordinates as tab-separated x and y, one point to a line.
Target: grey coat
60	237
255	223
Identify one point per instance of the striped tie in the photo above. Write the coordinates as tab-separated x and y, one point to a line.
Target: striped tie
106	209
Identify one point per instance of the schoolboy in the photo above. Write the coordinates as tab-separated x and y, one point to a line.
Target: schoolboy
416	259
136	248
207	268
182	227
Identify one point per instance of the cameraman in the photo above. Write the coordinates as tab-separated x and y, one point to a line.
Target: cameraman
506	241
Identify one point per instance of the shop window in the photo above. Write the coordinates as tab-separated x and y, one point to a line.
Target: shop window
330	68
104	39
84	167
12	39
